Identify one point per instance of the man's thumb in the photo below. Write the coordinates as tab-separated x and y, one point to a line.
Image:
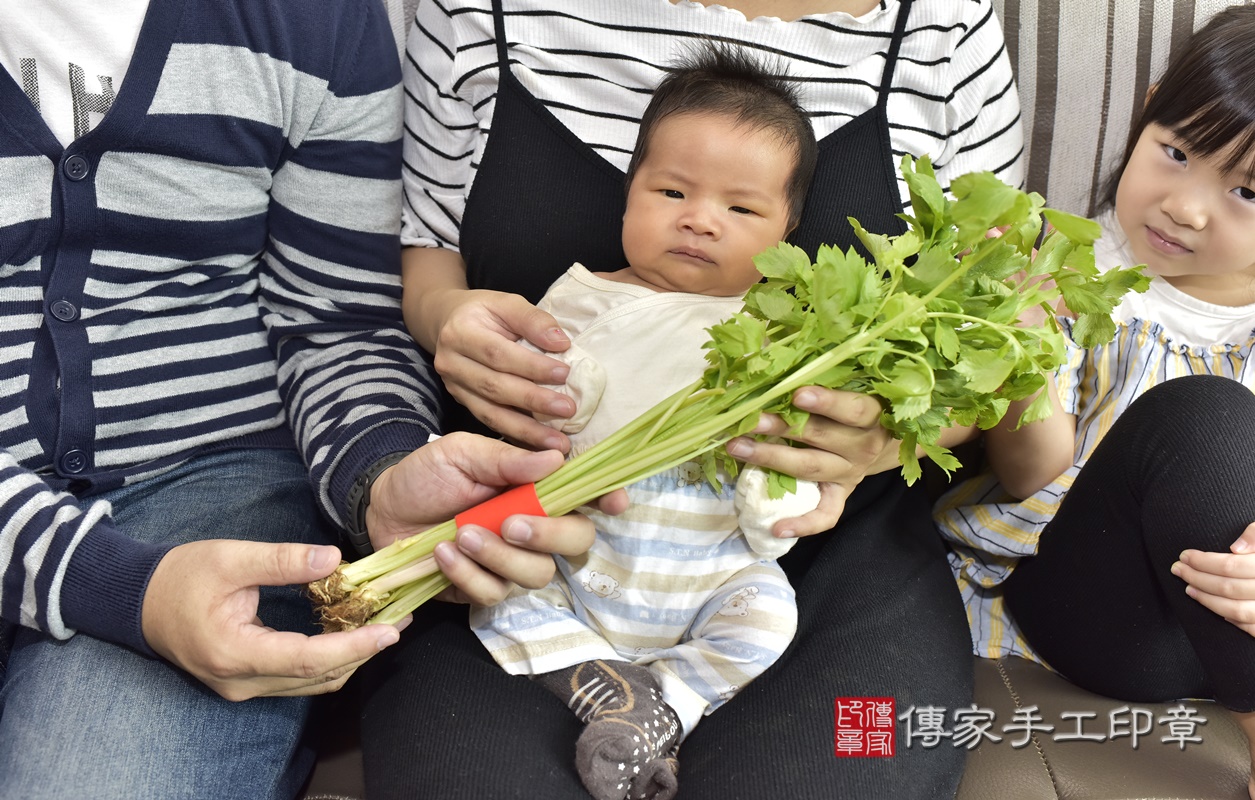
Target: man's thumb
285	564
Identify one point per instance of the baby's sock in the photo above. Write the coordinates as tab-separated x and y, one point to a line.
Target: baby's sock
657	780
628	748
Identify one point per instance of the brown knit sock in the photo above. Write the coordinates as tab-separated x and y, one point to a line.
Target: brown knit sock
629	746
657	780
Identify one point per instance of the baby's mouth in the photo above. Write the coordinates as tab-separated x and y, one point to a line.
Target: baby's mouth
692	252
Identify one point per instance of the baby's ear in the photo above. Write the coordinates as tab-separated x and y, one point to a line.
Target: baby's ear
1150	92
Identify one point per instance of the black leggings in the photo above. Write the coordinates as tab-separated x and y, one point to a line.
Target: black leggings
879	615
1098	602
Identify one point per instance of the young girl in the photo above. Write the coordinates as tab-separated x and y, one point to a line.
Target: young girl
1150	455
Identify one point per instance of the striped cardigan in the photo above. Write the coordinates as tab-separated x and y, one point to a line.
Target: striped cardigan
215	265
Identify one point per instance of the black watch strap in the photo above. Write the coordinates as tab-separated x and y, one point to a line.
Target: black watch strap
359	500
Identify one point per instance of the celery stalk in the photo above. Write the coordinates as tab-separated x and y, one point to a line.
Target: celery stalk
929	326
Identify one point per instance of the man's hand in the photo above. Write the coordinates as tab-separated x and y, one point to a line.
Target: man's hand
200	613
458	471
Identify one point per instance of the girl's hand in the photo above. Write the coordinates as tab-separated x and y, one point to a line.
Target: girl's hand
1223	582
845	442
484	367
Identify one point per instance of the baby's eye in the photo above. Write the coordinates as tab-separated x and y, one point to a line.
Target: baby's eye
673	194
740	210
1245	192
1176	154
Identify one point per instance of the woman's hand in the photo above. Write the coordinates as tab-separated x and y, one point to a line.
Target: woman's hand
846	442
487	370
1223	582
475	338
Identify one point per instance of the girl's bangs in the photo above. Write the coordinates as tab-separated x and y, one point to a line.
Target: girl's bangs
1220	127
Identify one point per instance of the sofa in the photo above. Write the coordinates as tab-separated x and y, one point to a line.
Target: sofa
1082	68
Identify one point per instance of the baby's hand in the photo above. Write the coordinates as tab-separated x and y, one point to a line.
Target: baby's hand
757	513
585	385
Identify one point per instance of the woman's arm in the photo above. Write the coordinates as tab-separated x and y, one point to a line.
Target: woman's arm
472	335
430	277
983	110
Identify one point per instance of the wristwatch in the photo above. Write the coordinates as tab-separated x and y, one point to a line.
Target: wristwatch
359	501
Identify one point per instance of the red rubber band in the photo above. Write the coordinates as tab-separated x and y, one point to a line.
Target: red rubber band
491	513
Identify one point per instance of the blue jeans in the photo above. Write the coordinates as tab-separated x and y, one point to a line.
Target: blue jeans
86	718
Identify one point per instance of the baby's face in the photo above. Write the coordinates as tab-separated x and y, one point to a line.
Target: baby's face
708	197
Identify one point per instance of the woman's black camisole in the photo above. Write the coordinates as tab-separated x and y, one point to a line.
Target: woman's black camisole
542	199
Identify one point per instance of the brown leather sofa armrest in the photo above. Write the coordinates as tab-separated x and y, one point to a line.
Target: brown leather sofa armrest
1052	767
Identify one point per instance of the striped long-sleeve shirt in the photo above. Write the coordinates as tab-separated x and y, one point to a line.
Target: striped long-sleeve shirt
594	65
216	264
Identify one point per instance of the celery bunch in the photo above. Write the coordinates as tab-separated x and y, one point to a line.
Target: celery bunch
929	326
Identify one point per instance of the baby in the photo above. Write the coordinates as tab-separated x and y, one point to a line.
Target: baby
679	603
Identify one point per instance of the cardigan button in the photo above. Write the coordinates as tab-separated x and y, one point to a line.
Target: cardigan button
64	310
76	167
74	462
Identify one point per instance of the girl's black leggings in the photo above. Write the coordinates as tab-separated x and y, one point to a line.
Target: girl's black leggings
1098	602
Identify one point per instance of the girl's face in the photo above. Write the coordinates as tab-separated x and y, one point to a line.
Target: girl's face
1188	219
708	197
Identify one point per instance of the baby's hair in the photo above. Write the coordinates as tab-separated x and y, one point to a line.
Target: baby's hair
720	79
1207	94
